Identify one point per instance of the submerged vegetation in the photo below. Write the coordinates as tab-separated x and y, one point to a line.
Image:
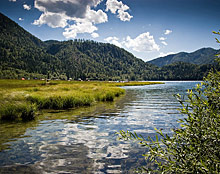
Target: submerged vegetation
22	99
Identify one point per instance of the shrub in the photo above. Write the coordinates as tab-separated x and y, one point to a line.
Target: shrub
195	148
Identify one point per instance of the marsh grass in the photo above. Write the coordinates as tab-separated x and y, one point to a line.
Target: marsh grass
14	111
21	99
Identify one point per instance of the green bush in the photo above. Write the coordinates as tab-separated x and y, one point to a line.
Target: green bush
195	148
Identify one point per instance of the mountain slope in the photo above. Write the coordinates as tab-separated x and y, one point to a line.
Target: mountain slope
199	57
21	51
24	55
99	60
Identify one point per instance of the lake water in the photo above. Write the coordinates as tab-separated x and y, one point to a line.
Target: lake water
84	140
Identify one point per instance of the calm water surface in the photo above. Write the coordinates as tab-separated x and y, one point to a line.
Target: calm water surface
84	140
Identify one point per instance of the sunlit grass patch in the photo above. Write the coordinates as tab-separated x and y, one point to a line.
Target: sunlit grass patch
21	99
70	96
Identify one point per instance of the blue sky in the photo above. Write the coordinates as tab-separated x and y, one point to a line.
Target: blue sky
146	28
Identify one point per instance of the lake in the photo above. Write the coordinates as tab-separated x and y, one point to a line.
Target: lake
84	140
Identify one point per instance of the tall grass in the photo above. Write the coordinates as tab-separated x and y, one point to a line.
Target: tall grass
60	102
23	111
22	99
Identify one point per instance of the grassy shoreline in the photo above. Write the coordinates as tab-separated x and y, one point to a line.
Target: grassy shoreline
20	100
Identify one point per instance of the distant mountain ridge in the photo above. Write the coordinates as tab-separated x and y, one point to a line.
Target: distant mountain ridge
198	57
24	55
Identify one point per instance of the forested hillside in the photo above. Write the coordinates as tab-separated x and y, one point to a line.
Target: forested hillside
21	52
199	57
101	61
24	55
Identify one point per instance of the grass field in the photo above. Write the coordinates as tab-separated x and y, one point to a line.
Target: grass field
22	99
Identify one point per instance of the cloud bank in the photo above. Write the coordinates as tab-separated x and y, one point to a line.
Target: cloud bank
78	16
142	43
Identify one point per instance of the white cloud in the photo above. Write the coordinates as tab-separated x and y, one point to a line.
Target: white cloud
142	43
12	0
163	42
27	7
165	54
53	20
73	30
62	13
113	40
117	7
168	32
20	19
71	8
96	17
162	38
95	35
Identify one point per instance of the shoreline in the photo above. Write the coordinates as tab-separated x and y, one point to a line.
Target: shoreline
21	100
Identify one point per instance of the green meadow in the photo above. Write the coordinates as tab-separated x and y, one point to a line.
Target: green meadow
21	100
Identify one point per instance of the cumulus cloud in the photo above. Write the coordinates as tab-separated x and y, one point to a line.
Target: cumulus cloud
142	43
71	8
73	30
20	19
163	42
93	16
117	7
95	35
168	32
113	40
27	7
162	38
76	16
165	54
52	19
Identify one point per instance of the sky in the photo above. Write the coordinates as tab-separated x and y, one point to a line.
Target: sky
146	28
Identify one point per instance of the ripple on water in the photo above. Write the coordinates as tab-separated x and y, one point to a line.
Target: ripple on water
70	142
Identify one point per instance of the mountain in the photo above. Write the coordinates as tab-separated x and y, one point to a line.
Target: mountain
20	51
183	71
24	55
199	57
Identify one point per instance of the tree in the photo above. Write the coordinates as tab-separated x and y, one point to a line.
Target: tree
194	148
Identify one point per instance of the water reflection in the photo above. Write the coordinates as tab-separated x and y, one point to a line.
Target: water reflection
84	140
